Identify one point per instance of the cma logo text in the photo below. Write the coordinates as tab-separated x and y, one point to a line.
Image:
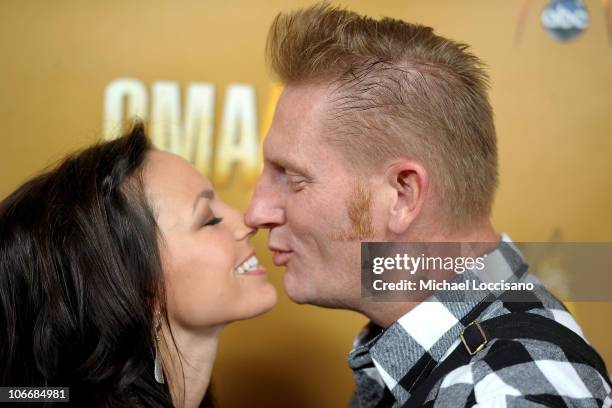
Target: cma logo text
187	130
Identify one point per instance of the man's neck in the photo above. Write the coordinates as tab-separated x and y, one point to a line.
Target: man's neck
480	231
384	314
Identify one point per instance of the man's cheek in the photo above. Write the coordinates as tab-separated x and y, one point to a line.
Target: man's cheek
306	214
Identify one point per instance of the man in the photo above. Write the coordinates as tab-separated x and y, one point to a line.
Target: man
384	132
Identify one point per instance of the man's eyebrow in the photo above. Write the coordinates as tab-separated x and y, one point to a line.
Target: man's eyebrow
208	194
285	164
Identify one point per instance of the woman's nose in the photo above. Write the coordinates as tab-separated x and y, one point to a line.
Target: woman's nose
241	230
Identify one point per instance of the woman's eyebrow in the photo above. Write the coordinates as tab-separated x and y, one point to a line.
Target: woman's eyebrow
208	194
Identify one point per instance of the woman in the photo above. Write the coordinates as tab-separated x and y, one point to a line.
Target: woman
118	270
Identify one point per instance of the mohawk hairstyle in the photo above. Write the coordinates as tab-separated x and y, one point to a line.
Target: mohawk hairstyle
397	90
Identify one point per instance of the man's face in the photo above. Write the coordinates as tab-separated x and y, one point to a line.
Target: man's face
311	201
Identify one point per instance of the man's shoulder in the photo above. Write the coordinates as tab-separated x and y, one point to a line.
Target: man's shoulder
522	370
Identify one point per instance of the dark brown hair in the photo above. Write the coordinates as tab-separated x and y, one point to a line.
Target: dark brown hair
80	278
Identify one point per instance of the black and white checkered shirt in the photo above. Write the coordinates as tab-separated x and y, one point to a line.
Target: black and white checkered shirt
506	373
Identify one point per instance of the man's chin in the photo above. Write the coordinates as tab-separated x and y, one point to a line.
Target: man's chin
305	294
300	291
295	291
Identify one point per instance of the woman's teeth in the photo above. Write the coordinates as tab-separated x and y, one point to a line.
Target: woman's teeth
249	265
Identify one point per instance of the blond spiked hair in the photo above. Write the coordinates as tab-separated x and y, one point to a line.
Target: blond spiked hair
398	90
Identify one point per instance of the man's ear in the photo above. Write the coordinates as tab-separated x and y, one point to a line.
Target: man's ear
409	181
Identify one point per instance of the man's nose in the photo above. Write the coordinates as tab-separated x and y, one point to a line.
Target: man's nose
266	209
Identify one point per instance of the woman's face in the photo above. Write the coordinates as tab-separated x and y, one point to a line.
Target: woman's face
212	276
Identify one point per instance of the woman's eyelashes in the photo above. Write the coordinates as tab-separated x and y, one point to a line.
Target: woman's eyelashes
213	221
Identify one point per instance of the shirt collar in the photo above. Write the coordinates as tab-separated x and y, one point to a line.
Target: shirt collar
417	341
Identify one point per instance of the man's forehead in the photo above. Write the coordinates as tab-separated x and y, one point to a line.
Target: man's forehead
281	152
298	126
301	95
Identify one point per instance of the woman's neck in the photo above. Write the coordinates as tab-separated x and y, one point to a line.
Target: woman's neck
191	359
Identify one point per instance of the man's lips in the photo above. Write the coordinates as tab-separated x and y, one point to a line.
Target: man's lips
280	258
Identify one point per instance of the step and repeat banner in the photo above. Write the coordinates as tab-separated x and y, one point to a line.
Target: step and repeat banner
74	72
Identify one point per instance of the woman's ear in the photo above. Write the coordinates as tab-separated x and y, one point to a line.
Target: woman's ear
409	182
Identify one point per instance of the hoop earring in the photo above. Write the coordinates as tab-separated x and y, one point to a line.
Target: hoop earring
157	368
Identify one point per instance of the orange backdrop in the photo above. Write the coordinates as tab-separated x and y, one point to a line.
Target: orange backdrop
553	105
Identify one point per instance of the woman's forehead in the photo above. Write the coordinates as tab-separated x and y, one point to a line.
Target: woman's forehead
168	176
